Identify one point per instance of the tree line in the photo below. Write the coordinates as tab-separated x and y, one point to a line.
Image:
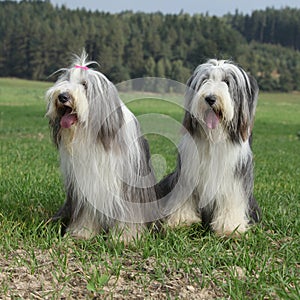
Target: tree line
37	38
270	26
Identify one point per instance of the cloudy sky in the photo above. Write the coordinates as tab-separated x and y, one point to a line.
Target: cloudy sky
213	7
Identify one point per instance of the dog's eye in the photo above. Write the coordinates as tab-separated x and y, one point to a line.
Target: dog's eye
84	83
227	82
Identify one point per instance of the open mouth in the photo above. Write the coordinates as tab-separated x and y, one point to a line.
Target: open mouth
68	117
212	118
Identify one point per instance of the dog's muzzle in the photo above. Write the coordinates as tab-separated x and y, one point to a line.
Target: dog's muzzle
210	99
211	116
68	116
64	98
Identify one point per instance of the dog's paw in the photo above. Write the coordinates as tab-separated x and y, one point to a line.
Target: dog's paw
180	218
81	233
234	230
126	233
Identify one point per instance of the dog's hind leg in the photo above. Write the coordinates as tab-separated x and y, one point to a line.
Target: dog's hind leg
65	212
254	210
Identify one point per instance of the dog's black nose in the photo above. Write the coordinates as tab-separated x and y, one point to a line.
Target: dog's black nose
64	97
211	99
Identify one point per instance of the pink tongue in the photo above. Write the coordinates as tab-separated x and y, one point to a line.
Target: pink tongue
68	120
211	119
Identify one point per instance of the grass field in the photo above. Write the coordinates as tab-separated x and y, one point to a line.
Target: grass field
189	263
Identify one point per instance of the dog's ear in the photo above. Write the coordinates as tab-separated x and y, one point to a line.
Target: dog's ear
105	109
55	130
110	127
189	122
253	96
244	128
248	107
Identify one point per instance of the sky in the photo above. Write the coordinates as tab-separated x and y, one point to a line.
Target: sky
213	7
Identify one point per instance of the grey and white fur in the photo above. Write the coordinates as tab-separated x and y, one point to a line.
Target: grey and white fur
104	158
215	161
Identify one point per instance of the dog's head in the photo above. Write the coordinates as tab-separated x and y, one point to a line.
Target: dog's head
221	97
83	98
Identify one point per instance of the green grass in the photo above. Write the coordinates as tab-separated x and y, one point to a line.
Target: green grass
36	263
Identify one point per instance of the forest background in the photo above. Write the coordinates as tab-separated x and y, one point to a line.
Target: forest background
37	38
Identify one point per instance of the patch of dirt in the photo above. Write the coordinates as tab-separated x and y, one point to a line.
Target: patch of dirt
38	275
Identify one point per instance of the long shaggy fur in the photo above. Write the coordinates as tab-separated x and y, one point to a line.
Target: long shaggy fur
104	158
213	182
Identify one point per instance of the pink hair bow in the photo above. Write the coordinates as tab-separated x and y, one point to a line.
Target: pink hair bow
81	67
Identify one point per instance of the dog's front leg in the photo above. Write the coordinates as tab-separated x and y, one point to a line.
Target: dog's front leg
186	215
